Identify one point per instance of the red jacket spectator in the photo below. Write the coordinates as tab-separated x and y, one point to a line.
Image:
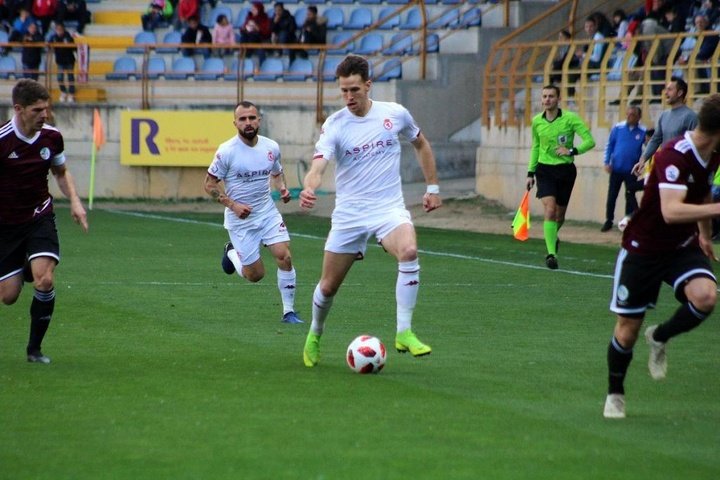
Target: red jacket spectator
257	23
187	9
44	11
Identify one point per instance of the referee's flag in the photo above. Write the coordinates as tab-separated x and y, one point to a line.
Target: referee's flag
98	140
521	223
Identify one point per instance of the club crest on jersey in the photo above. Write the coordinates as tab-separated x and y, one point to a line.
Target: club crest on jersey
672	173
45	153
562	139
271	157
387	124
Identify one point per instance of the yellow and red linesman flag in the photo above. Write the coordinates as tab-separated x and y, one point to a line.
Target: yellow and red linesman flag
98	131
521	223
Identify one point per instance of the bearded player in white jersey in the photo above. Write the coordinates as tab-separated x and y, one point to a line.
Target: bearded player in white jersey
363	139
239	178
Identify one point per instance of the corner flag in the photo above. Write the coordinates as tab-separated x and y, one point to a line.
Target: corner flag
98	140
521	223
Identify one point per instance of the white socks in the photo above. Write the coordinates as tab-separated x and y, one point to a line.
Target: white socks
406	291
320	309
286	285
235	259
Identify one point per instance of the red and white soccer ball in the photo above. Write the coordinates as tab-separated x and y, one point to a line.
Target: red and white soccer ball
366	354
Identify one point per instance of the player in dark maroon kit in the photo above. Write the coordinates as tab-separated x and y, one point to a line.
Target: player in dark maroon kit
28	238
667	240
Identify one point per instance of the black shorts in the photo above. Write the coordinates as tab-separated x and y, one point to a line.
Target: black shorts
638	278
19	243
556	181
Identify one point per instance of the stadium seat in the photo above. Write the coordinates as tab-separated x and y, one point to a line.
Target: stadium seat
314	2
448	18
141	40
155	68
413	20
335	18
400	44
216	12
328	70
212	68
470	18
300	16
4	37
270	70
432	43
450	2
390	70
616	64
338	39
360	18
340	2
247	70
182	68
394	20
124	67
173	37
370	44
241	16
299	70
370	2
8	67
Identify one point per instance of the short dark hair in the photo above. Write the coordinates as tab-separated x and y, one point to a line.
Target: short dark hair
551	86
637	109
246	104
709	115
27	91
681	84
280	4
353	65
312	8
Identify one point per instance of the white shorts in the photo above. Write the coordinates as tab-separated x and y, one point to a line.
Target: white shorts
351	236
268	230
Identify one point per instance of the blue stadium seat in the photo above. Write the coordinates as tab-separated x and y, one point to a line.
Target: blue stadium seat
212	68
8	67
413	20
340	2
470	18
338	39
4	37
299	70
182	68
370	2
314	2
329	67
270	70
448	18
300	16
173	37
432	43
390	70
241	16
155	68
141	39
216	12
370	44
360	18
400	44
397	2
247	70
124	67
335	18
394	22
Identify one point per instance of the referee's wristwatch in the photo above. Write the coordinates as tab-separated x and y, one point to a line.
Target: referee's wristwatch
573	151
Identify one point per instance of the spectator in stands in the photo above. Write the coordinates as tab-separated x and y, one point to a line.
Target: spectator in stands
604	25
5	16
32	56
704	52
620	24
650	27
284	29
159	12
562	52
596	50
44	11
313	31
73	10
223	34
711	10
196	33
185	10
20	25
256	29
65	60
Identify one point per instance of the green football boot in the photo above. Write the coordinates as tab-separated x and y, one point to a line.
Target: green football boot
407	341
311	352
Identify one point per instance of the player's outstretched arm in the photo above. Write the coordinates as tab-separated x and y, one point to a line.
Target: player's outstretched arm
426	160
67	187
312	181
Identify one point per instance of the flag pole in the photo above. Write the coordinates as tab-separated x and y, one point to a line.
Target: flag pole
91	190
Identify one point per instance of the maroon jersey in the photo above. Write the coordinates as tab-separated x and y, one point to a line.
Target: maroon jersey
24	166
676	166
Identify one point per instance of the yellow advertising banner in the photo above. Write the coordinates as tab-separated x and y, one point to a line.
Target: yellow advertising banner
173	138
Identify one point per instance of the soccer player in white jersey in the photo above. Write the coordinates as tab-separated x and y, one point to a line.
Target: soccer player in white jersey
239	178
363	139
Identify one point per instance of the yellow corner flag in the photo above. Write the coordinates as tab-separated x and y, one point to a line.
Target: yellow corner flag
521	223
98	140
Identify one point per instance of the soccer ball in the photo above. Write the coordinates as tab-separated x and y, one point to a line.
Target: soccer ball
366	354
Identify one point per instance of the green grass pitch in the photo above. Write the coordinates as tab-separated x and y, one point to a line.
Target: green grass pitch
166	368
